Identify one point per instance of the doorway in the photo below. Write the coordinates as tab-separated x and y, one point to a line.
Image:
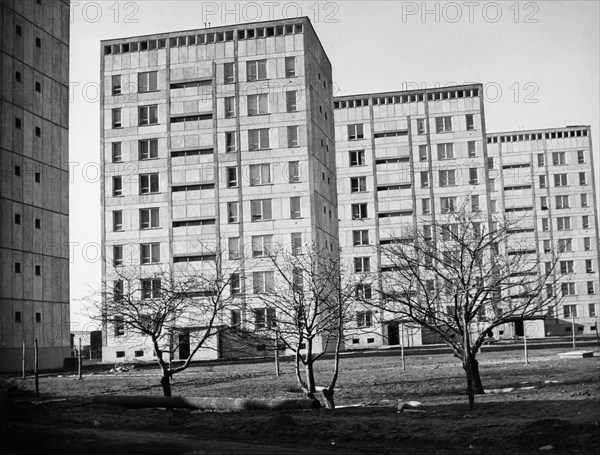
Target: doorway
519	329
184	345
393	334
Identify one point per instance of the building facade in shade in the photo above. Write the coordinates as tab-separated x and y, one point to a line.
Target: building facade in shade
219	139
405	159
546	179
34	208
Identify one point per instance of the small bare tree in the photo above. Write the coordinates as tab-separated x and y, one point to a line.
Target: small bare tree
461	280
309	299
158	304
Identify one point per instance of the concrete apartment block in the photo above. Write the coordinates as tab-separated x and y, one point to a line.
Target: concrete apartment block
404	159
547	183
214	140
34	209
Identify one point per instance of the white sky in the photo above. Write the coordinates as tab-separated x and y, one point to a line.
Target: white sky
539	63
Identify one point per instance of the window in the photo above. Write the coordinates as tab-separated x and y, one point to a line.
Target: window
540	159
17	171
231	177
584	200
256	70
472	149
560	180
117	220
362	265
235	318
116	85
230	141
445	151
260	210
591	290
427	232
117	186
149	218
545	224
424	179
296	243
360	238
582	178
117	156
291	102
567	289
292	136
423	155
148	183
235	284
17	219
117	255
542	181
443	124
148	82
565	245
264	318
19	32
587	243
570	311
426	206
258	139
262	282
358	184
546	246
355	132
580	157
448	178
295	207
118	292
364	319
566	267
563	223
448	204
293	171
148	115
116	118
149	253
119	328
18	76
258	104
290	66
359	211
38	131
262	245
148	149
421	126
559	158
37	177
544	203
229	106
260	174
151	288
232	212
228	73
357	157
470	119
589	266
585	222
233	247
490	162
475	203
38	43
562	202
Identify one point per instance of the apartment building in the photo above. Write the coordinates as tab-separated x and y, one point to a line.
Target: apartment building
546	181
34	208
217	139
405	159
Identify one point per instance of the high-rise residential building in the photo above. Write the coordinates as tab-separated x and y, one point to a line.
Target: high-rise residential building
546	180
405	159
218	139
34	208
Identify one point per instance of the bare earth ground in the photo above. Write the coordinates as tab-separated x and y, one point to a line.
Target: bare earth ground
559	407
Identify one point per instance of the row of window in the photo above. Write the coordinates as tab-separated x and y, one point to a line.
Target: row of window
571	311
260	174
37	221
569	266
560	158
563	202
37	269
562	180
407	98
19	32
203	38
19	317
537	136
19	126
566	244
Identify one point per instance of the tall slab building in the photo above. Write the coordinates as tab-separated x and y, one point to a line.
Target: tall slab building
34	209
215	139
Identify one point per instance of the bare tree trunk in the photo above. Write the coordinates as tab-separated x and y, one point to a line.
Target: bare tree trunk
474	385
329	402
310	378
165	382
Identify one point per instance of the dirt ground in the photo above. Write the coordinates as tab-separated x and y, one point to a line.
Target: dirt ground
551	405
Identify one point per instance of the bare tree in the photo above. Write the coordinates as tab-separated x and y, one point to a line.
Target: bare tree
307	302
156	305
460	280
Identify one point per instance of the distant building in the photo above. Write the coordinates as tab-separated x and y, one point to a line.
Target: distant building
34	206
218	137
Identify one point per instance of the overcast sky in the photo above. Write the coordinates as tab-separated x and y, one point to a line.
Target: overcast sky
538	61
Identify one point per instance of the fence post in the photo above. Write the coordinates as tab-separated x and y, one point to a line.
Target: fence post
79	354
24	360
35	367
